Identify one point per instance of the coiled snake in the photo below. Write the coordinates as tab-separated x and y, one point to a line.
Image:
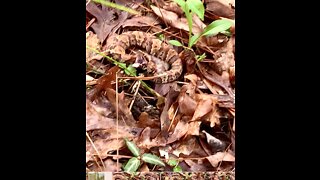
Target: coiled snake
116	48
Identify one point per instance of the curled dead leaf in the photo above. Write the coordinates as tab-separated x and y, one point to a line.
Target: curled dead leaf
93	42
173	19
195	166
105	146
194	128
180	130
186	146
146	121
95	117
187	105
203	107
193	78
123	107
220	156
221	8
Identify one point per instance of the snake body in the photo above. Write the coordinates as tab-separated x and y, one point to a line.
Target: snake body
116	48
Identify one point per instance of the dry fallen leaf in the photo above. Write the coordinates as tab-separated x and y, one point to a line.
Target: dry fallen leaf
180	130
225	58
111	165
140	21
187	105
186	146
104	147
173	19
95	119
203	107
220	156
146	121
194	128
195	166
221	8
144	139
93	42
164	117
123	107
108	79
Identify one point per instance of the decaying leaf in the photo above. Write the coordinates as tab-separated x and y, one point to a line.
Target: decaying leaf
173	19
203	107
185	125
212	116
108	19
180	130
225	58
146	121
111	165
195	166
123	107
144	168
186	147
144	140
141	21
164	118
220	156
187	105
95	119
194	128
93	42
105	147
193	78
221	8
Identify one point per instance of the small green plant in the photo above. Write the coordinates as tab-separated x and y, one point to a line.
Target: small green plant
134	163
197	7
175	164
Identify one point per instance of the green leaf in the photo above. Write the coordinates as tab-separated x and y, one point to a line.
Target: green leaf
130	71
177	169
227	33
201	57
217	26
132	165
172	162
161	37
175	43
181	3
152	159
197	7
194	39
121	65
132	147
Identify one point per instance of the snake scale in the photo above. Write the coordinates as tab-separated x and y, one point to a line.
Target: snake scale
118	45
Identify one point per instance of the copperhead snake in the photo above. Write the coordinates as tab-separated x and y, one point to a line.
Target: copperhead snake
116	48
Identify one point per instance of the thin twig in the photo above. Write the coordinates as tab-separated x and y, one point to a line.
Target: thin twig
94	147
135	95
90	23
145	97
117	112
175	113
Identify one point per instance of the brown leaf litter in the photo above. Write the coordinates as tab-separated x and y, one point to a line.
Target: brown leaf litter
191	119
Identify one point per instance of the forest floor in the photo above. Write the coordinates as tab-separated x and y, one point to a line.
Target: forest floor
160	89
